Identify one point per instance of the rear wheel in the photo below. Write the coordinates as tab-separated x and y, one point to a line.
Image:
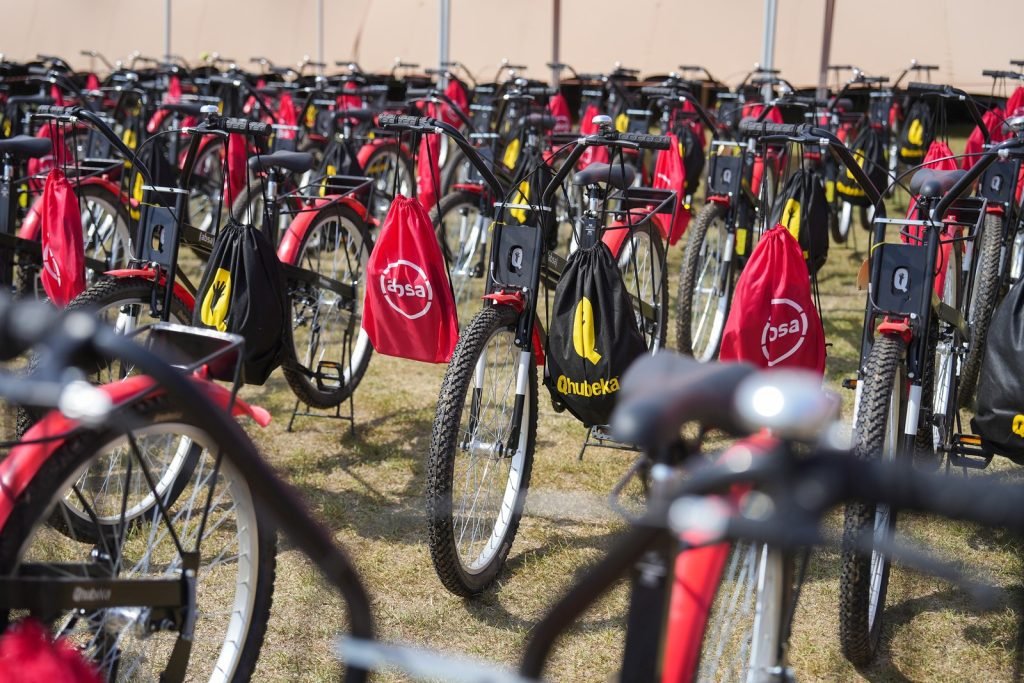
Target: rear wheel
330	348
462	231
219	521
391	169
984	295
705	285
641	261
481	457
864	578
105	227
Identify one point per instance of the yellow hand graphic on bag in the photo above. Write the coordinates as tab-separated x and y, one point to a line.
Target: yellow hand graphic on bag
1018	425
584	336
217	300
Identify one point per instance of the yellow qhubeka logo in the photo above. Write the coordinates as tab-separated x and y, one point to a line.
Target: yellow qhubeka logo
915	133
584	343
217	300
584	332
1018	425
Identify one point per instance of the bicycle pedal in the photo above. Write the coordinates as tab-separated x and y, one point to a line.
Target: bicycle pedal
969	452
850	383
328	370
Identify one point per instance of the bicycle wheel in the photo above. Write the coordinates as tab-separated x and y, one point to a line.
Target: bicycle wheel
478	470
384	164
328	343
641	261
984	295
104	226
219	520
705	285
877	427
942	353
742	635
841	225
207	187
462	231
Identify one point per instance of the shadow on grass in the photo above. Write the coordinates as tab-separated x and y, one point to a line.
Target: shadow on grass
489	610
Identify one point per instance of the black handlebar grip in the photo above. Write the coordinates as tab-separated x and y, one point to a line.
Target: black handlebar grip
647	141
658	91
405	121
541	90
246	127
927	87
54	110
754	128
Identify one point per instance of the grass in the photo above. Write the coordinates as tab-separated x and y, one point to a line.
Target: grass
368	488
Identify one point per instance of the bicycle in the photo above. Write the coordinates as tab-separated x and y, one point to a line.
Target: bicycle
488	402
321	258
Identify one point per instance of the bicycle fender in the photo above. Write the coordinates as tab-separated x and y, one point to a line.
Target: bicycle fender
32	227
475	188
721	200
288	249
363	155
150	275
899	328
25	460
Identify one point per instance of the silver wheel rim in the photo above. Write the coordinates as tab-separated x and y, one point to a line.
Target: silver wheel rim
882	530
334	248
643	277
146	550
710	304
486	480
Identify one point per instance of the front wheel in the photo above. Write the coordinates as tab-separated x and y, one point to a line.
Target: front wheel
705	284
481	453
391	169
864	577
218	527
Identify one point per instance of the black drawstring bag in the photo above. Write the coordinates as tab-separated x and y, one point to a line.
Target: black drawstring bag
999	419
593	336
917	133
243	292
803	209
869	150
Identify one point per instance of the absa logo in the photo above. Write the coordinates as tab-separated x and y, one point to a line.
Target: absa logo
785	331
406	289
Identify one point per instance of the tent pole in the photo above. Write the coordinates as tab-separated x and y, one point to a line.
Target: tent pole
556	41
320	35
446	27
771	10
826	48
167	30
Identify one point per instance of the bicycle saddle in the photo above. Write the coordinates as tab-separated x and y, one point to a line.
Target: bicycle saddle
25	146
930	182
184	108
616	175
360	115
298	162
661	393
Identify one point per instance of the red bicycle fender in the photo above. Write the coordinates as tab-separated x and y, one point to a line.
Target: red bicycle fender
363	155
288	249
994	208
897	327
515	300
475	188
158	117
148	274
614	236
721	200
31	227
25	460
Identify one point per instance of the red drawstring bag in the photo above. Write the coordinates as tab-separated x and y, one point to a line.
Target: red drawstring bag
773	321
1015	104
456	92
592	155
670	174
428	171
938	157
409	311
287	115
237	166
29	655
993	120
559	108
349	101
63	273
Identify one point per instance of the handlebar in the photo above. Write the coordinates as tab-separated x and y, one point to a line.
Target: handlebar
967	180
806	133
949	92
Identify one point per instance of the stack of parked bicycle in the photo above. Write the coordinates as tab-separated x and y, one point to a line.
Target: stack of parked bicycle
199	226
